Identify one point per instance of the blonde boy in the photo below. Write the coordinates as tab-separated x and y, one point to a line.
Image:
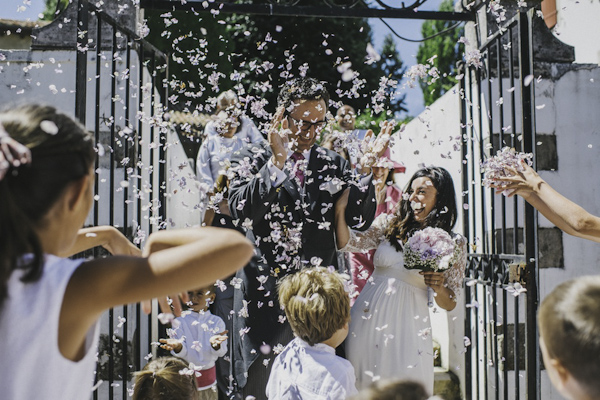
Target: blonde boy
317	307
569	321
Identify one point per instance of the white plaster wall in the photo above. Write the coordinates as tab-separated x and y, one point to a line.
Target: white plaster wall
577	25
32	76
576	99
184	208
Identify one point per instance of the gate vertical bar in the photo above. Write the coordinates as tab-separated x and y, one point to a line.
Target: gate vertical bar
530	234
81	61
465	219
473	211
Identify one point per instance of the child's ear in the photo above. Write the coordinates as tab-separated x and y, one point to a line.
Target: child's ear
77	190
212	296
561	372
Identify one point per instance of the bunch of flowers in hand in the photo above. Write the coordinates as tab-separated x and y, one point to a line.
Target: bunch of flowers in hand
430	250
369	151
504	163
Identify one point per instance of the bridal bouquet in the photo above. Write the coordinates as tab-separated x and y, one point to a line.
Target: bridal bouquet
430	250
495	168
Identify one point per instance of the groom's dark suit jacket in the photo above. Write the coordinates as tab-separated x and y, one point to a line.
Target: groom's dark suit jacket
291	230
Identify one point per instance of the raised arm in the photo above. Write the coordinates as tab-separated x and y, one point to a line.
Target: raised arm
106	236
561	211
254	185
342	231
362	198
176	260
350	240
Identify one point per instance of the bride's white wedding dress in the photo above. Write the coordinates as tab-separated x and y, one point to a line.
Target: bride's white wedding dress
390	331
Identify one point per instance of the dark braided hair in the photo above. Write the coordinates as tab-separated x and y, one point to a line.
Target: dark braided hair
443	215
59	156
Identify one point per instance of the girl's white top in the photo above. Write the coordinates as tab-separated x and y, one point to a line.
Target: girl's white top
32	366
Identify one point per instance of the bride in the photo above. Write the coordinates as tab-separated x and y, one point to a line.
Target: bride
390	331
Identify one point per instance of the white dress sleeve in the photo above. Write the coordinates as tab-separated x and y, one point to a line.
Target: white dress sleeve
455	275
369	239
204	171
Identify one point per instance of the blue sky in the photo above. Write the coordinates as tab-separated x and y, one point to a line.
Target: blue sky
407	28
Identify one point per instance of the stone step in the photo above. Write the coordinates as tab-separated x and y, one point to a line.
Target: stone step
446	384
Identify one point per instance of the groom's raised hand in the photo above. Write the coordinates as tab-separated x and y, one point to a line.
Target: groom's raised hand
278	138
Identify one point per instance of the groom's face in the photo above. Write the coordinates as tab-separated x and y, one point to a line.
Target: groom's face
306	121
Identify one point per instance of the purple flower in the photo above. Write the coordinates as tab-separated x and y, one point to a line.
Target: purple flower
429	249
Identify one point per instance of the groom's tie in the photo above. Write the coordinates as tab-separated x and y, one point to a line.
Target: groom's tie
297	157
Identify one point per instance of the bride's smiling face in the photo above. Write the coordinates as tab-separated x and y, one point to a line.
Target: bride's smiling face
423	197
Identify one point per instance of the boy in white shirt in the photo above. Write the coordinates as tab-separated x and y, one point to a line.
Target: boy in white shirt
199	337
317	307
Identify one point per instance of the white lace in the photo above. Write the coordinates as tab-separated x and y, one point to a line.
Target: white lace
369	239
375	235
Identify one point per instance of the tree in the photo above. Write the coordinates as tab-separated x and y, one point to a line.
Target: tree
255	54
53	8
197	44
442	51
392	67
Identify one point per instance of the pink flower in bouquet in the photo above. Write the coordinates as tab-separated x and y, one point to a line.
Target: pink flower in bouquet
497	166
429	249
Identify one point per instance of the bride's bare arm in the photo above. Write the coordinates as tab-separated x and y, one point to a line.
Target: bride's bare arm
349	240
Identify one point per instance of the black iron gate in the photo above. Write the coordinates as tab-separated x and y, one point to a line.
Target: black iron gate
120	95
497	107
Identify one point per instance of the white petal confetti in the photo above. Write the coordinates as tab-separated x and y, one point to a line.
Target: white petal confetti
49	127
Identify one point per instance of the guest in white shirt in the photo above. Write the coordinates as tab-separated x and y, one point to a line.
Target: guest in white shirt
317	307
229	131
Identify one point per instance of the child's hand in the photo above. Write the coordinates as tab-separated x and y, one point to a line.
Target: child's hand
172	304
118	244
172	345
216	340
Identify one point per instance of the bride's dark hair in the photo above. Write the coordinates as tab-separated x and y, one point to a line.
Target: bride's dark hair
443	214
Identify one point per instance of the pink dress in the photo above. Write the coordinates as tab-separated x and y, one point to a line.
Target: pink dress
361	264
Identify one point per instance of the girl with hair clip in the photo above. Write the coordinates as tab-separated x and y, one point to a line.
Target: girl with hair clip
390	332
49	304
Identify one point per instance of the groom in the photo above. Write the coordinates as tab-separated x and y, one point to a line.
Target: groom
284	193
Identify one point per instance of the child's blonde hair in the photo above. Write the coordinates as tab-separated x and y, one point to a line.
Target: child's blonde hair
569	321
162	379
315	302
